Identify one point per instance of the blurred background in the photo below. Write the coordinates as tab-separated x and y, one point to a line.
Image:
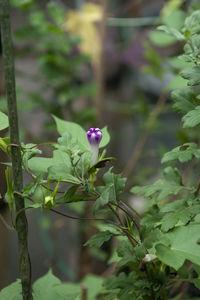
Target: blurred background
96	63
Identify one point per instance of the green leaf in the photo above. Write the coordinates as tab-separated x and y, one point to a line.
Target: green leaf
98	239
182	153
182	245
40	165
4	145
79	133
3	121
107	194
192	23
83	164
12	292
126	252
101	163
44	287
75	130
69	195
169	221
175	18
192	118
30	188
192	74
172	31
50	287
161	39
184	100
63	173
117	181
160	189
177	82
94	285
68	291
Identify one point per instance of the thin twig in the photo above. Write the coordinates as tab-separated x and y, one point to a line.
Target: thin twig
80	218
129	236
128	214
143	138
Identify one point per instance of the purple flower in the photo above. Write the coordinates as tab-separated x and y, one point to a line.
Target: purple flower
94	136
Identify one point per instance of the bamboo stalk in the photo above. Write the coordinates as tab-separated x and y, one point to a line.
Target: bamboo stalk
21	224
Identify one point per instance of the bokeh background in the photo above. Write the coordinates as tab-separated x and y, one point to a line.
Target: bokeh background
96	63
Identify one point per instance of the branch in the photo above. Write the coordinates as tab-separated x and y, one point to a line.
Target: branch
22	226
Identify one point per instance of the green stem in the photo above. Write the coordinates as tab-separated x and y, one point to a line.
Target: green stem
22	226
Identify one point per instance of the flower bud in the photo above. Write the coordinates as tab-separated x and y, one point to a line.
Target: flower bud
49	201
94	136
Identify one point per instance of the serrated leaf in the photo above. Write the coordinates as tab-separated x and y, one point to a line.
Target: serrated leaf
3	121
98	239
169	221
182	153
192	23
178	250
184	100
192	118
192	74
107	194
116	179
161	189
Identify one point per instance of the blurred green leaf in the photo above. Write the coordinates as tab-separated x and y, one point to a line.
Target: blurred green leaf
12	292
3	121
192	118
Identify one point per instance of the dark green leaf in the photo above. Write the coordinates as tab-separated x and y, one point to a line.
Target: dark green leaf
98	239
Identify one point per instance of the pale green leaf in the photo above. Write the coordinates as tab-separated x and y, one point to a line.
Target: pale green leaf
183	244
172	31
12	291
184	100
182	153
3	121
192	118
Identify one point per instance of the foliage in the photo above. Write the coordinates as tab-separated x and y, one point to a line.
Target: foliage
50	287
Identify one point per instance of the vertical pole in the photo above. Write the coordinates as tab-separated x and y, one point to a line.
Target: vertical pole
21	222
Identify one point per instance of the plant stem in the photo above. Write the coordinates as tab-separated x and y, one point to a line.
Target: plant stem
22	227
